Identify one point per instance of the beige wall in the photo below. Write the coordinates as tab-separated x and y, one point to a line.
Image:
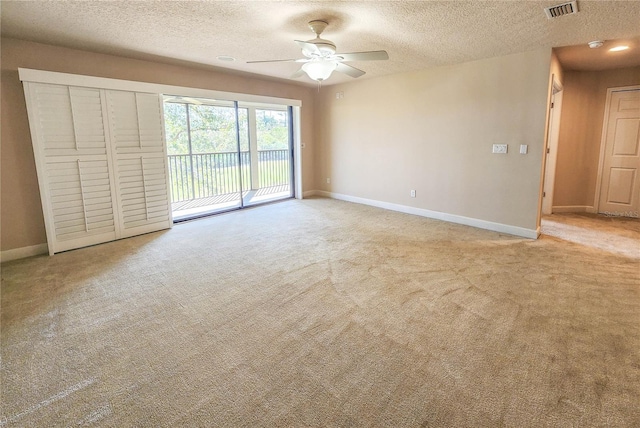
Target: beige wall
22	224
583	104
433	130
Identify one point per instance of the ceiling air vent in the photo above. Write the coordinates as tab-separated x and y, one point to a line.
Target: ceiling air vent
561	9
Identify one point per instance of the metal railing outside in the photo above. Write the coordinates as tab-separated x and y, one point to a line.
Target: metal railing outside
205	175
274	168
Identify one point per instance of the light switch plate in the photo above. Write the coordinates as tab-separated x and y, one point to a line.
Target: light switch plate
524	149
500	148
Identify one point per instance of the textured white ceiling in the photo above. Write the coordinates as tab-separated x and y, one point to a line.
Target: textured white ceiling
416	34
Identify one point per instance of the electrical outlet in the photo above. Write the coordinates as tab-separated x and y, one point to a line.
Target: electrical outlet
524	149
499	148
328	180
413	193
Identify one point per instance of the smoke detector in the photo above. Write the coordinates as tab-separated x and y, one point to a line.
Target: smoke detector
596	44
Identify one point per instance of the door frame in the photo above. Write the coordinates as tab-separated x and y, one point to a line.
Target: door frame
551	149
605	126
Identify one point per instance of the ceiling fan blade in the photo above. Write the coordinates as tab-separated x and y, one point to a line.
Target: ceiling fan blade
364	56
297	74
272	60
348	70
308	49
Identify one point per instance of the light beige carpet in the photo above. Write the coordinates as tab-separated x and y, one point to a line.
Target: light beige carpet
323	313
616	235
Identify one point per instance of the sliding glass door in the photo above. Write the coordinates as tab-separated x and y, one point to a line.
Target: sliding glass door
224	156
271	160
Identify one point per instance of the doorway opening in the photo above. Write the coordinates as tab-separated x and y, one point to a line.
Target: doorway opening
226	155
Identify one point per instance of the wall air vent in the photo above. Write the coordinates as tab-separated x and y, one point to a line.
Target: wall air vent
561	9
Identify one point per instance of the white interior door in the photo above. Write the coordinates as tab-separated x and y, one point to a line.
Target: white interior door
620	185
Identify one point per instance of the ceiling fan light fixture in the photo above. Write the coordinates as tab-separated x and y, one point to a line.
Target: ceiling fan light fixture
319	70
619	48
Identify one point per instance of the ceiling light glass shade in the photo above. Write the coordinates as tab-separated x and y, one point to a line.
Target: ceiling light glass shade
319	70
619	48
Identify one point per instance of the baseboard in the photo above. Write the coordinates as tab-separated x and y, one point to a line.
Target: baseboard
452	218
21	253
309	193
573	209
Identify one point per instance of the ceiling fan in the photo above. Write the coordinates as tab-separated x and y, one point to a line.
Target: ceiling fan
320	57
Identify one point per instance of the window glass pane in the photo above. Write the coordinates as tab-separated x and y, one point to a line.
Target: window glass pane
175	124
271	126
244	129
213	129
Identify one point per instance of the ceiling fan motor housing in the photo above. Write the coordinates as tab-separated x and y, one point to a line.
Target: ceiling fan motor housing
326	47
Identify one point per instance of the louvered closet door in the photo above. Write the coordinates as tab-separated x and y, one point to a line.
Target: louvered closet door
73	165
137	134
